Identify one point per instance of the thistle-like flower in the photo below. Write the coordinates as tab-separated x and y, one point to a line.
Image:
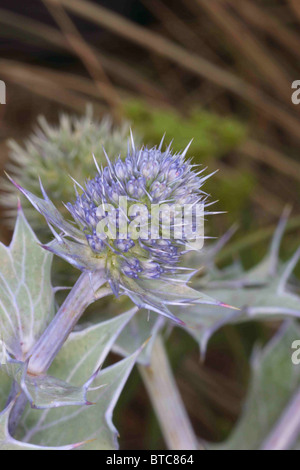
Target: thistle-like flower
139	261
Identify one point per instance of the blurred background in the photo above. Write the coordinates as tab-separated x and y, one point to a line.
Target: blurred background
217	71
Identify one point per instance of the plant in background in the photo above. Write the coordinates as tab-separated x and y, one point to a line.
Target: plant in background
50	367
54	152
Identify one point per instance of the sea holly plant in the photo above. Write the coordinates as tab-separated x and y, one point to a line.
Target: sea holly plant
54	391
135	267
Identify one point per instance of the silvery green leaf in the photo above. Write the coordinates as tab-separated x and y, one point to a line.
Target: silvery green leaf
143	326
86	350
81	355
256	276
204	261
202	321
271	265
26	294
50	391
94	422
5	388
274	380
7	442
269	299
261	302
100	422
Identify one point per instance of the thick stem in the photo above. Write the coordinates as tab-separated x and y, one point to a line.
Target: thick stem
55	335
166	400
287	429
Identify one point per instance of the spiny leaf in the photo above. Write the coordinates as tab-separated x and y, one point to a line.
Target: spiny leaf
161	295
46	391
263	293
267	298
274	380
26	295
49	391
7	442
82	354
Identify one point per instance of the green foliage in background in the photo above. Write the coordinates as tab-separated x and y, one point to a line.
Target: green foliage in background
213	136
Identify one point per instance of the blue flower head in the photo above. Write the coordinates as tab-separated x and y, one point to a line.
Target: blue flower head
148	266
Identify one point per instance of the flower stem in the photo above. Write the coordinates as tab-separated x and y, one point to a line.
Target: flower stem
80	297
287	429
166	400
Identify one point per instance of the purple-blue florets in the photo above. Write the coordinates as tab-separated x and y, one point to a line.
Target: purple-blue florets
146	176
